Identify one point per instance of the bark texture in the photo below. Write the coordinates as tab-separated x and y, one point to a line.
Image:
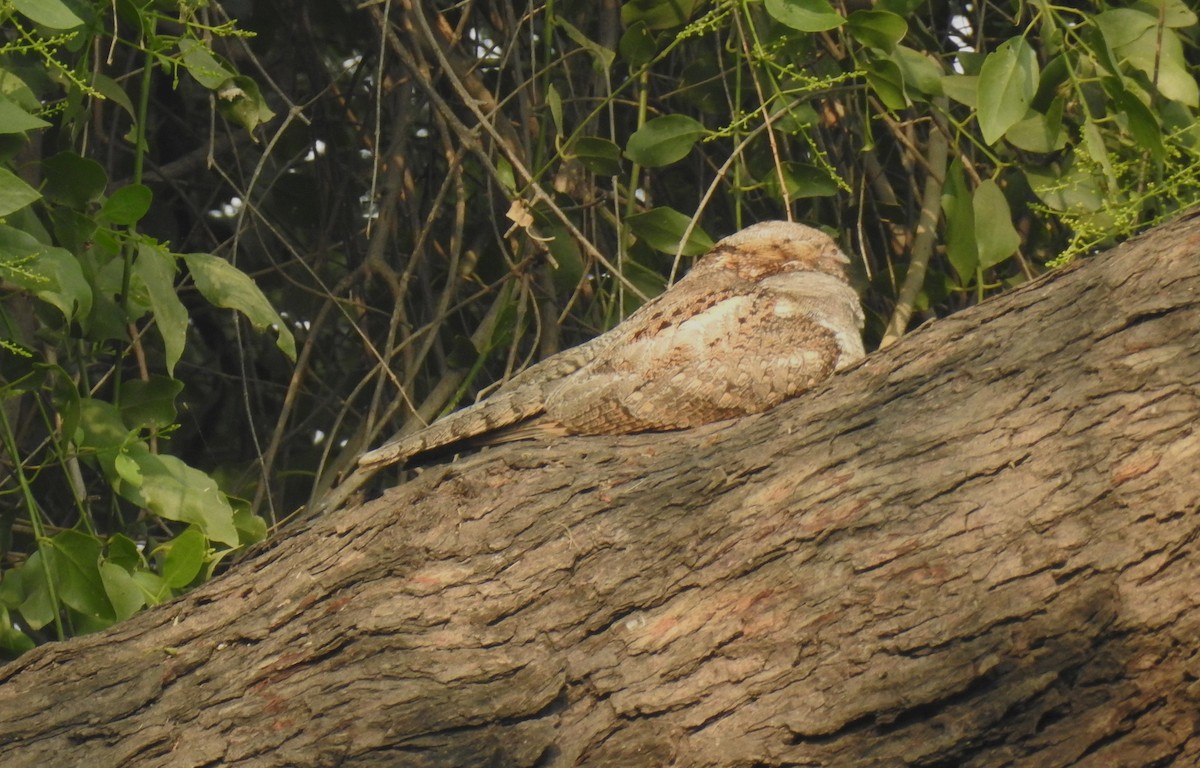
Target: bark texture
978	548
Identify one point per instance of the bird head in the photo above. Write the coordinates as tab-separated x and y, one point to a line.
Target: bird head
775	247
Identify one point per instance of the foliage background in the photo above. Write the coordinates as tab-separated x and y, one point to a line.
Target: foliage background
429	196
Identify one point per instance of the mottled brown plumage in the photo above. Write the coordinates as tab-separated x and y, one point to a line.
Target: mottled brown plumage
765	315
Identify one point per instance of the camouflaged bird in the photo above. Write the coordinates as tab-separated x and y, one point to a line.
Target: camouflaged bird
763	316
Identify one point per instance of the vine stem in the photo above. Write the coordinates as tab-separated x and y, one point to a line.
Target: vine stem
139	159
10	445
931	203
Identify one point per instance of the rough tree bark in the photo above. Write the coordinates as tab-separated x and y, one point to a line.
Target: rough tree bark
977	548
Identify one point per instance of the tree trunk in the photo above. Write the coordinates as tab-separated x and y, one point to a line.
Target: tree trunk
977	548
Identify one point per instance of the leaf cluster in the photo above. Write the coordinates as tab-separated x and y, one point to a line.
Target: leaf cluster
97	521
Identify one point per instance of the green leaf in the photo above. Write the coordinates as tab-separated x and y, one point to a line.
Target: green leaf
1056	72
37	608
877	29
201	64
240	101
11	591
649	282
74	230
76	569
659	14
153	588
1159	54
13	641
51	274
796	118
805	15
1097	150
994	232
124	552
184	558
918	70
224	285
1038	132
252	527
664	140
49	13
14	193
71	293
970	62
127	205
1093	41
901	8
1007	84
73	180
112	90
13	119
663	228
16	87
887	81
150	403
602	58
124	593
155	268
128	470
637	46
100	426
1122	26
803	180
600	156
108	320
962	88
1141	123
961	248
505	175
175	491
1176	13
554	103
568	264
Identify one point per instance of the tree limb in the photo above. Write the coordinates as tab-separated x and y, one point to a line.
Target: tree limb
976	548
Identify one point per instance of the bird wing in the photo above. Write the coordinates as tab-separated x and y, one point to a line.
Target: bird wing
720	355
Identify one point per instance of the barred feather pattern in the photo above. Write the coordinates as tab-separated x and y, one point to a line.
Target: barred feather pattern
765	315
